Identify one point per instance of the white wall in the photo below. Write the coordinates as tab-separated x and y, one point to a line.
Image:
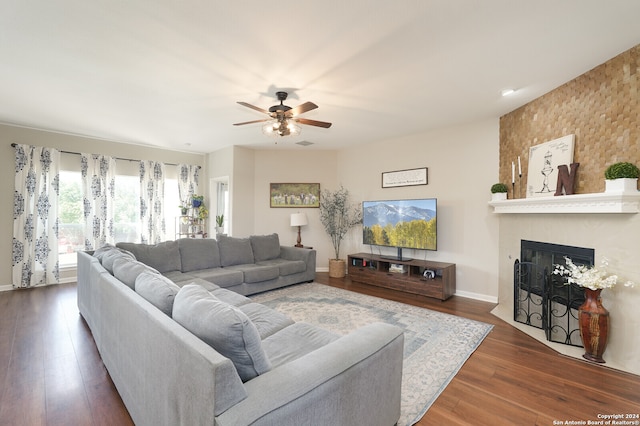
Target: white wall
462	164
294	166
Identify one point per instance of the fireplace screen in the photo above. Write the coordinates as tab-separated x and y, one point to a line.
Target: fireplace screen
542	299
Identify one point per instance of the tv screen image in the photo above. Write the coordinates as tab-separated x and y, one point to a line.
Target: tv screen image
400	223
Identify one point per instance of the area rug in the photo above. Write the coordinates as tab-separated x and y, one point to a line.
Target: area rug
436	345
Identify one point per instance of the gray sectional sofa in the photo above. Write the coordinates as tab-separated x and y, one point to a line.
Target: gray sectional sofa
194	353
244	265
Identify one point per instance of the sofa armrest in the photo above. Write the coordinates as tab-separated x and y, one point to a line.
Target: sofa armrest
297	253
354	380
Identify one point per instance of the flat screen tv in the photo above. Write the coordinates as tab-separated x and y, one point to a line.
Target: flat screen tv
400	223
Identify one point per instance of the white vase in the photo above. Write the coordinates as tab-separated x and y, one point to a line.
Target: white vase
498	196
620	186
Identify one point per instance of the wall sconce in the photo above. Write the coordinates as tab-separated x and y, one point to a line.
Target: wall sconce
299	220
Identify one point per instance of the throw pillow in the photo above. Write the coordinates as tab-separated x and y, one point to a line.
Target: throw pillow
234	251
110	256
265	247
127	270
224	327
165	256
158	290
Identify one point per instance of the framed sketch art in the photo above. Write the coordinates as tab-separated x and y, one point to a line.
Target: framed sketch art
409	177
298	195
544	159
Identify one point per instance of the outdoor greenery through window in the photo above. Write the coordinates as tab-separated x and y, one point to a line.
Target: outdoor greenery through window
126	213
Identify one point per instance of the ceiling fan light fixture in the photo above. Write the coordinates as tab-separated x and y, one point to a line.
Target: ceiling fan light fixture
294	129
271	128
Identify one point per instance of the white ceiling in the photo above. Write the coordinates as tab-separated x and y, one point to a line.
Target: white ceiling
168	73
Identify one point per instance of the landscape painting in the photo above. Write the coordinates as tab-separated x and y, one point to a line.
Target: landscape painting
299	195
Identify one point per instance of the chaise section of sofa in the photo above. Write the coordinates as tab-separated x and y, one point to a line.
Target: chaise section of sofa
194	354
244	265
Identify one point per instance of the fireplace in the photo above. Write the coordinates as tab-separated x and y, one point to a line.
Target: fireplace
542	299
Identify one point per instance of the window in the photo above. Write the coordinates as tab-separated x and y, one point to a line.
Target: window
126	212
70	209
126	209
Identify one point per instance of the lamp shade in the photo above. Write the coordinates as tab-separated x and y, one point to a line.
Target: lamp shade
298	219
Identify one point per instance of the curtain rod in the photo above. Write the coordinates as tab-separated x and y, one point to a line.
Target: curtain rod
117	158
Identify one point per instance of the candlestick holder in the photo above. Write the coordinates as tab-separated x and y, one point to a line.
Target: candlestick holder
520	185
513	189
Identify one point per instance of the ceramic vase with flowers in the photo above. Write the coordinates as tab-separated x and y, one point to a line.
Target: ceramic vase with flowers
593	317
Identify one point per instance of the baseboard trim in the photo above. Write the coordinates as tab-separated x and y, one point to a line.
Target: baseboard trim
477	296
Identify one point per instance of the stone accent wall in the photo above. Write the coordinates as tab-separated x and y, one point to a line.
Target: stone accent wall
601	107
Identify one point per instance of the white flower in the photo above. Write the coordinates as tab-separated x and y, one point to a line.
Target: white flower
590	277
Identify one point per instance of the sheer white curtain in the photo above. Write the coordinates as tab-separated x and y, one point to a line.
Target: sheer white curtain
35	221
188	179
98	188
152	175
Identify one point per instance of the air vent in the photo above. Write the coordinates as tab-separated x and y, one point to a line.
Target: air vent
304	143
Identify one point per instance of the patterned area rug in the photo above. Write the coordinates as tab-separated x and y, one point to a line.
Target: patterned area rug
436	344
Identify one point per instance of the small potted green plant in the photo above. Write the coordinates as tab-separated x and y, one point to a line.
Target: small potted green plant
219	224
498	192
621	177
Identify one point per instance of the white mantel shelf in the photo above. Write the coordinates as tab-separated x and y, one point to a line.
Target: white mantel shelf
605	202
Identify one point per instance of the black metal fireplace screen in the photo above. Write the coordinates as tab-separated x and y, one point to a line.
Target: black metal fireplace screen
542	299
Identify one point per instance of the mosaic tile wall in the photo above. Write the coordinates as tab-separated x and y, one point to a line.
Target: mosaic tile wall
602	109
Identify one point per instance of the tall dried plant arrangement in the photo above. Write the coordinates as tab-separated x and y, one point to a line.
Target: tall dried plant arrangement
338	215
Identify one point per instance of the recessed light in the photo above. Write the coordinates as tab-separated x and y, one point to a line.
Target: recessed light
508	92
304	143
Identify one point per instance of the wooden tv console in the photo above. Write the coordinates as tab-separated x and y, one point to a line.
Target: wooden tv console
404	275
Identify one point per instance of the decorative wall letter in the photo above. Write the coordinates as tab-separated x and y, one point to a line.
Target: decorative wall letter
566	179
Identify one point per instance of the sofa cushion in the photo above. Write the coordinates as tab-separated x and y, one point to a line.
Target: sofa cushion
265	247
99	252
158	290
230	297
198	253
296	341
111	255
287	267
222	277
256	273
163	256
224	327
127	270
268	321
234	251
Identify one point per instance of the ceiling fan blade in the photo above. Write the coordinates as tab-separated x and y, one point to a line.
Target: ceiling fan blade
251	122
264	111
307	106
313	122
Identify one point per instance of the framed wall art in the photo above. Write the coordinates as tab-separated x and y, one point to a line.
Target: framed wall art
298	195
408	177
544	159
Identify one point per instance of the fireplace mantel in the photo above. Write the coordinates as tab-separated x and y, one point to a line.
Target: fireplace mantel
604	202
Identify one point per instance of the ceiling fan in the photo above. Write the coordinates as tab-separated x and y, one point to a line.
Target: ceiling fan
283	119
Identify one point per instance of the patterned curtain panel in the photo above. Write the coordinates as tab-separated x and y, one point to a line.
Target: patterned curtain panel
98	187
188	178
35	221
152	202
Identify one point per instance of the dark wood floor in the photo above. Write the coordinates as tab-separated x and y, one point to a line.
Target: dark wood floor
51	373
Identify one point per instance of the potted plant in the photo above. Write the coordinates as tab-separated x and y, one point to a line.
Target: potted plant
621	177
196	200
498	192
338	216
219	224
